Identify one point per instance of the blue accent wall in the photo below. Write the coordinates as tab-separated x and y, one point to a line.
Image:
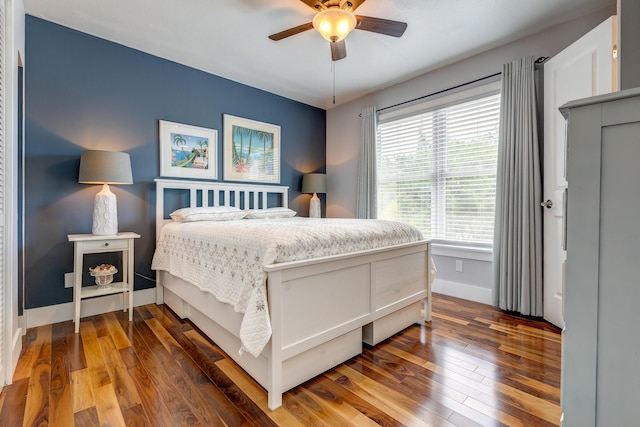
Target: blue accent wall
83	92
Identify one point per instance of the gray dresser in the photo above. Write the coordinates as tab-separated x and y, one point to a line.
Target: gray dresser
601	340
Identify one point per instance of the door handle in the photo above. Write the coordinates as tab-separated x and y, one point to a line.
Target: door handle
548	204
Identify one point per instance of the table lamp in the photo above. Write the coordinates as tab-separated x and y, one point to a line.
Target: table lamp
105	167
314	183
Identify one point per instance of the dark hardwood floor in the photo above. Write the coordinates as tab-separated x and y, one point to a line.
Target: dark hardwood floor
472	365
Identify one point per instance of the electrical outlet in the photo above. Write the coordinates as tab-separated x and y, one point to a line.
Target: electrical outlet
459	265
68	280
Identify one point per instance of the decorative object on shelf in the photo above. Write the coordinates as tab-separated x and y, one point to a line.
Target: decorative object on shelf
103	274
105	167
188	151
314	183
251	150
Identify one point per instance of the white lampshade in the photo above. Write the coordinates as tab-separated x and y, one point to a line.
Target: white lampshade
105	167
314	183
334	24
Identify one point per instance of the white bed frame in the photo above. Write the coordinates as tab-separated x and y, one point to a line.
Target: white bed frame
321	309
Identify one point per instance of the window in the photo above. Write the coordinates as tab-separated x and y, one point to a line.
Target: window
437	167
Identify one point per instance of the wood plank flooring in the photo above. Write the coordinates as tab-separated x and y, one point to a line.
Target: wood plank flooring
472	365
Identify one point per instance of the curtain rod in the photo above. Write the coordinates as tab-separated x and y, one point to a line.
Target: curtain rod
538	61
439	92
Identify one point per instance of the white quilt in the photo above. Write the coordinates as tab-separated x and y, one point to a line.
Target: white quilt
227	258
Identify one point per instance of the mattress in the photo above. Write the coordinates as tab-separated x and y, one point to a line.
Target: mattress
226	258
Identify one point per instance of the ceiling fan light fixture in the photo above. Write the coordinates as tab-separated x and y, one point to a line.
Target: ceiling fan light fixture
334	24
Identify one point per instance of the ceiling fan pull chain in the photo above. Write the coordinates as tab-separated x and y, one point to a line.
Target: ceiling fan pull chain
333	71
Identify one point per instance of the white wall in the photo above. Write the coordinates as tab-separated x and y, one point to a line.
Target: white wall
343	139
14	51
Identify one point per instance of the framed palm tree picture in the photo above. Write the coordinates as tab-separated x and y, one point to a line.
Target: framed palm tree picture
188	151
251	150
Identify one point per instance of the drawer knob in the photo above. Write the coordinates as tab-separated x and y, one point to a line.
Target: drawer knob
106	244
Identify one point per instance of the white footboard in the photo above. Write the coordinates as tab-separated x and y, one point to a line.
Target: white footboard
313	302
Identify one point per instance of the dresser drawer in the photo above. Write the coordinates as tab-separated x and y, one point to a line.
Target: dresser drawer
105	245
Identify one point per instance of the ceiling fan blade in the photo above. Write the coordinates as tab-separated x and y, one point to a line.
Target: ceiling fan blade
382	26
350	4
314	4
291	31
338	50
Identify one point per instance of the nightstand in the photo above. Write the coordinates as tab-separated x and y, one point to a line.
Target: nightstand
91	244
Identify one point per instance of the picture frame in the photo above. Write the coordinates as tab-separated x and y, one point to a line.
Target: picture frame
188	151
251	150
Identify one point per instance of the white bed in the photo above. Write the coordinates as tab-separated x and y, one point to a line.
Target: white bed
320	310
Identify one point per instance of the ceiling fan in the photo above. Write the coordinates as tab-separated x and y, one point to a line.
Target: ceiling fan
335	20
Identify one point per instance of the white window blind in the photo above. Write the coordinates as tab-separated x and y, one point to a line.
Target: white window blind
437	169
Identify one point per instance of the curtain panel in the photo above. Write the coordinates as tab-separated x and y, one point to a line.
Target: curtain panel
366	203
517	247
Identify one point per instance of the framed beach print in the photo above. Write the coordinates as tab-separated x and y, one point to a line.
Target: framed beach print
188	151
251	150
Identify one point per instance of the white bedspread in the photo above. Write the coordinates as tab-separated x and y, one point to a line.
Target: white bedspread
227	258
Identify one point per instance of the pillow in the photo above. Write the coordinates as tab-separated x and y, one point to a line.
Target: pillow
217	213
270	213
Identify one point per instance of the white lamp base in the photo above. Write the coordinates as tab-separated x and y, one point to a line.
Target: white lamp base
105	213
314	207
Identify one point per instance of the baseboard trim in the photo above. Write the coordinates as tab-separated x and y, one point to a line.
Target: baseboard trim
462	290
62	312
16	349
22	323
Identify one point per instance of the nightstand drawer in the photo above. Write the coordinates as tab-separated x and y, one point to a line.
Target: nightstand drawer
105	245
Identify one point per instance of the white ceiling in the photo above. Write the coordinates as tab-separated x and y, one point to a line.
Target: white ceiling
229	37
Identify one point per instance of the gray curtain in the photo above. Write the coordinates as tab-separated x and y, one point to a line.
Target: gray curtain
517	243
366	206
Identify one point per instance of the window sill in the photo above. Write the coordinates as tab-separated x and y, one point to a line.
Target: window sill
466	252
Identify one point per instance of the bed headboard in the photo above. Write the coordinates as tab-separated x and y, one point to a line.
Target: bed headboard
209	193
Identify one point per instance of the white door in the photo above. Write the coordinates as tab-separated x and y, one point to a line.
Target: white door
4	242
581	70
